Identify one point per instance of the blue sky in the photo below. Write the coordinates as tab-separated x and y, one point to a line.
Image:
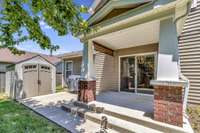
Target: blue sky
67	43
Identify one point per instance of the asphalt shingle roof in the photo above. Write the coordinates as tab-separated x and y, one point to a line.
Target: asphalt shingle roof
7	56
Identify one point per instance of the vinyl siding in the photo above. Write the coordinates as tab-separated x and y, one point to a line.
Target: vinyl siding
3	76
76	64
189	50
104	72
77	61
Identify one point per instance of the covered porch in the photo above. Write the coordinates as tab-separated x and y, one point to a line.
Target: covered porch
144	59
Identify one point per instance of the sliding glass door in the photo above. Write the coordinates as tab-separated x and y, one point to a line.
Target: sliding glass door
136	72
128	74
145	73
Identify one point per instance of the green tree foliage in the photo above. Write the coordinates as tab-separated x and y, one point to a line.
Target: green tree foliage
17	16
53	48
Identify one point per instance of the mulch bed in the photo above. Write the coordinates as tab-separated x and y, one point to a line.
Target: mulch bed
194	114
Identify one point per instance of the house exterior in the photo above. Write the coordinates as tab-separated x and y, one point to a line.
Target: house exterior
189	44
71	65
27	75
188	51
139	41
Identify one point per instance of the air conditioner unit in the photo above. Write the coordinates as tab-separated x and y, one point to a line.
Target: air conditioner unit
73	83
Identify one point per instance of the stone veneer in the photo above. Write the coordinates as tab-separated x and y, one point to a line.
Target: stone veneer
168	104
87	91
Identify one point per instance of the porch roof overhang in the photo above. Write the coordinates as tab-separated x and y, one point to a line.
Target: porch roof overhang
110	5
178	10
142	34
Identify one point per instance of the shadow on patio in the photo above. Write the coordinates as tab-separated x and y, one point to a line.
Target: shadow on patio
133	101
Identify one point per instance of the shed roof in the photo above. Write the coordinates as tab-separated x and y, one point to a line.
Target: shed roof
7	56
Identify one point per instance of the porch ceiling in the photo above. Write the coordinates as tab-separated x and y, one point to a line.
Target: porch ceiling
134	36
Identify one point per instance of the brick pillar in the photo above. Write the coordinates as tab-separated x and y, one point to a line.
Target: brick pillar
87	91
168	104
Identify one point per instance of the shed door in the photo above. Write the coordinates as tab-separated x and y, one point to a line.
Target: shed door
2	81
30	80
45	82
36	80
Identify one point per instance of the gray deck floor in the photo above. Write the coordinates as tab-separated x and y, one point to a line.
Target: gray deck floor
134	101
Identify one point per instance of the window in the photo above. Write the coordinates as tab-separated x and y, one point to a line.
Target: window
194	3
68	68
46	68
30	67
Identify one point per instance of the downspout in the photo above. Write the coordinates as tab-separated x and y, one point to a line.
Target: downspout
187	85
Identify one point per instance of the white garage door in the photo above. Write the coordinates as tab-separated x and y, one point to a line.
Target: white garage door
36	80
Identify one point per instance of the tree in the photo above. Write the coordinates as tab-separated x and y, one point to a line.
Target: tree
53	48
19	21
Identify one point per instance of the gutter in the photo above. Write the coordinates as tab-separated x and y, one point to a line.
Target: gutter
94	6
181	16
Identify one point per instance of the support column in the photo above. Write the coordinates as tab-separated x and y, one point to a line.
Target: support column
87	84
168	97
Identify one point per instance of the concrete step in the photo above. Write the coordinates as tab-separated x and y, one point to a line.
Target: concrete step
121	119
119	125
137	117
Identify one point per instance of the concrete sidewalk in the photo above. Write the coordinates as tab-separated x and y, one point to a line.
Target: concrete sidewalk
49	107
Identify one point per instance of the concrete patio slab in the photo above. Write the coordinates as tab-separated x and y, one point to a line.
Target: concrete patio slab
133	105
49	107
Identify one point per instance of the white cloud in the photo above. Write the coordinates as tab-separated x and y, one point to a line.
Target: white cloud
47	27
44	25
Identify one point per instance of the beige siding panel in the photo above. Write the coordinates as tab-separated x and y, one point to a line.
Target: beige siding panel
104	72
76	64
189	48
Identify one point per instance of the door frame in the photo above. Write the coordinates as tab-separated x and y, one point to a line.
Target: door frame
135	55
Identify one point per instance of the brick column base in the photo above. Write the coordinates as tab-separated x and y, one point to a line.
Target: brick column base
87	91
168	104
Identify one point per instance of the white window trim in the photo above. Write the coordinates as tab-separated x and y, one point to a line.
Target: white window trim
135	55
194	3
72	71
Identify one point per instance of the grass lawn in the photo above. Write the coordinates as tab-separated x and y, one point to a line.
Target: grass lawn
194	114
16	118
59	88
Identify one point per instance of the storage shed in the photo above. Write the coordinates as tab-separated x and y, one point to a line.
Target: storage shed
30	77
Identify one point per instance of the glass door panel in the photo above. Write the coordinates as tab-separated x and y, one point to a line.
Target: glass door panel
145	73
127	74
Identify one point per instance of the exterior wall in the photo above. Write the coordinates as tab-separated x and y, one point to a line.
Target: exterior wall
59	67
3	76
76	64
104	72
58	79
59	75
77	61
189	49
107	67
3	66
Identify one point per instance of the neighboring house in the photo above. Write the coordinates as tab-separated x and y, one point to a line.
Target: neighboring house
71	65
27	75
189	48
139	44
